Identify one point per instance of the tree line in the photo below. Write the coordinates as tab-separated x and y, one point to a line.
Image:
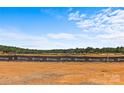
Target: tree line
17	50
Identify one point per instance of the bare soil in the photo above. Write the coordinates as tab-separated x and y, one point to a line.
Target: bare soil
56	73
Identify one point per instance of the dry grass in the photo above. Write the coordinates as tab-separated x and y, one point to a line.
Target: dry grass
61	73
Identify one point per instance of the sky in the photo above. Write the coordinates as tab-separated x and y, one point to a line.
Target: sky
62	27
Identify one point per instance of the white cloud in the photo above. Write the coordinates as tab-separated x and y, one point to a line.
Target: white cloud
66	36
75	16
13	37
106	25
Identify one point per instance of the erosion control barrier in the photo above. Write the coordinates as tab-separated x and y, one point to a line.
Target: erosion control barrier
61	58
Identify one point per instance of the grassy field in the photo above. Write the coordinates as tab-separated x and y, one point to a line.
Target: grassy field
61	73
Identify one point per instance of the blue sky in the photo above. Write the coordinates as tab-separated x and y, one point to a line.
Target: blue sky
62	27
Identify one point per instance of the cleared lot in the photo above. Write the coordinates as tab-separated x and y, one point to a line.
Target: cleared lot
61	73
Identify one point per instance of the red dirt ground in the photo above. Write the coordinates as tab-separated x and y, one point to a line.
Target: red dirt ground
61	73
